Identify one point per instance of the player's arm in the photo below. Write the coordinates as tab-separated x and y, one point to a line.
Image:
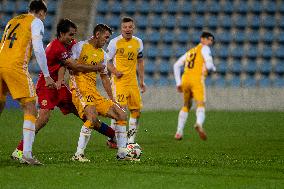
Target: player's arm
177	69
141	74
107	85
141	67
61	73
111	68
206	53
111	50
37	30
77	67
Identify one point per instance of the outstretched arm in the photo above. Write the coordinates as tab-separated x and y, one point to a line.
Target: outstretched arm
74	66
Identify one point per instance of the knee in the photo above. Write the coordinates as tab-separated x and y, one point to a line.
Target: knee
122	116
135	114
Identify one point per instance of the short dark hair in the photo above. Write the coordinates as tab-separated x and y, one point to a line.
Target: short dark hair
127	19
37	5
64	26
102	28
206	34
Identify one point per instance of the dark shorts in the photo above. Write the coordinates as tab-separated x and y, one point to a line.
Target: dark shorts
50	98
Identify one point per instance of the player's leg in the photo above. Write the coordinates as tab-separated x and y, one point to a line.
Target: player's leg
66	106
121	95
134	102
120	131
85	133
47	99
29	108
183	113
41	121
133	125
21	87
199	96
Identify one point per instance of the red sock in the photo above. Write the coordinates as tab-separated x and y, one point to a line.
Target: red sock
21	145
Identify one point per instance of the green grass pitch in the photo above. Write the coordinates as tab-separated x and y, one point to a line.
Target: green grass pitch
243	150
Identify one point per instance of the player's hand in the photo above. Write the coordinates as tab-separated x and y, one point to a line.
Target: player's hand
59	84
118	74
49	82
143	87
179	89
99	68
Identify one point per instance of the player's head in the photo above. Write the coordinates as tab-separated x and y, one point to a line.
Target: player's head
127	27
207	38
101	34
39	8
66	30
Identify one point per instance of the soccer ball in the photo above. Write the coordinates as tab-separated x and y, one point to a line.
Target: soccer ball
134	150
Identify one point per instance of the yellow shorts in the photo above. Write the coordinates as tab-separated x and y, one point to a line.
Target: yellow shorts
193	89
128	96
17	82
83	98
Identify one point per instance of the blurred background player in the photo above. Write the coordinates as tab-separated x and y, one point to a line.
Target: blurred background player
197	61
125	53
21	33
85	95
58	51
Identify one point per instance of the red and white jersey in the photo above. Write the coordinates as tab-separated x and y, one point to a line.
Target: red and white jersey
56	53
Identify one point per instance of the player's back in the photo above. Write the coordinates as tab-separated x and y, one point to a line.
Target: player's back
126	57
194	67
16	46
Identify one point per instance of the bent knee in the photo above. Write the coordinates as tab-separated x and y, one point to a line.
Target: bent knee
122	116
135	114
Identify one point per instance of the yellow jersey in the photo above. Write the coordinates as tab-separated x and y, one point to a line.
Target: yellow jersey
16	43
125	55
85	53
194	66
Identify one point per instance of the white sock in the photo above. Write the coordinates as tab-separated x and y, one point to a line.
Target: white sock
84	138
200	115
112	125
133	125
121	136
182	117
28	137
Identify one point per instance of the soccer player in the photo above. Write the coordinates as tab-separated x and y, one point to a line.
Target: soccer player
87	99
125	53
21	34
58	51
197	61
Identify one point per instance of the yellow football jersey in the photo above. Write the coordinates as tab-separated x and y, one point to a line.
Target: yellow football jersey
85	53
194	66
16	45
125	56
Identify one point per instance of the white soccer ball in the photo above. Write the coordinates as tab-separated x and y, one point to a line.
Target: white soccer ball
134	150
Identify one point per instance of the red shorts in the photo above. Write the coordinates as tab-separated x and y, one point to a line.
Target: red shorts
50	98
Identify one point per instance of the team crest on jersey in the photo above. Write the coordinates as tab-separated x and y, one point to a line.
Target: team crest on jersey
85	58
44	102
64	55
120	51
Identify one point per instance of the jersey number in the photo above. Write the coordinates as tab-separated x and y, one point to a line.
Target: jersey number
130	55
12	35
120	98
190	64
90	98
